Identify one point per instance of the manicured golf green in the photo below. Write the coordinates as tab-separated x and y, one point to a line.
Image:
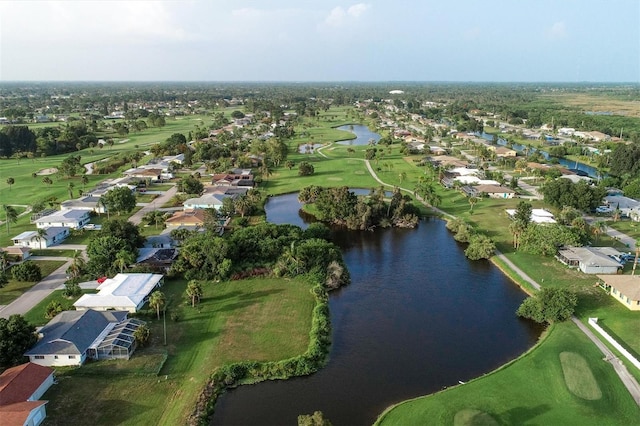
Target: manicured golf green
562	381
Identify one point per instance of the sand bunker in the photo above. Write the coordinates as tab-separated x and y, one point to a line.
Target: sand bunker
49	171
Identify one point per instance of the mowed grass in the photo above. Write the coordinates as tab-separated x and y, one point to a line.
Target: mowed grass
36	315
533	389
257	319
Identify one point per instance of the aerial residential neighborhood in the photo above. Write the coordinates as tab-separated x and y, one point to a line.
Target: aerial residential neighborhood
268	213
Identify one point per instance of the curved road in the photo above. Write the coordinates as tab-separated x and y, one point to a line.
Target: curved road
621	370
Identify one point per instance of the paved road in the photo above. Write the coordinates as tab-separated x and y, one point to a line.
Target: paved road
158	202
627	379
623	238
35	294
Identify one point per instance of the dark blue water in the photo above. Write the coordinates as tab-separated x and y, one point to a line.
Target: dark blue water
363	135
417	317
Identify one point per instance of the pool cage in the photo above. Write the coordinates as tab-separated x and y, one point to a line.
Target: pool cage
119	343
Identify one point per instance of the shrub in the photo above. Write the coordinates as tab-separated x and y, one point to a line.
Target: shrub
26	271
549	305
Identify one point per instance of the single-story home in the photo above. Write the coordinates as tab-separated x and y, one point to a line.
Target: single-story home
88	202
124	292
537	215
213	200
159	259
626	205
502	151
25	413
25	382
55	235
74	219
159	241
624	288
238	177
17	252
187	219
591	260
495	191
144	173
73	336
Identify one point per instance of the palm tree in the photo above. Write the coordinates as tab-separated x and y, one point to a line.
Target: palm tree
141	335
472	202
194	291
41	234
402	176
85	180
10	181
47	180
124	258
157	300
598	228
70	188
10	216
77	263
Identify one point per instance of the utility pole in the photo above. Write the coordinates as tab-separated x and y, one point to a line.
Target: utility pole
164	320
635	261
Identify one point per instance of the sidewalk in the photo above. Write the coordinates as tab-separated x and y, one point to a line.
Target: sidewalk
627	379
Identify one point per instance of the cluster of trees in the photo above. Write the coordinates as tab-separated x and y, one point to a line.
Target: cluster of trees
19	140
479	245
16	337
549	305
113	248
581	195
572	230
284	250
342	207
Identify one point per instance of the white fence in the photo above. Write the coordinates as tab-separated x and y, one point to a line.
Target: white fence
593	322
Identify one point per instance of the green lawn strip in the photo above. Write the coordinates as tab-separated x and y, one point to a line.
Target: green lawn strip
531	389
52	252
15	289
628	227
36	315
257	319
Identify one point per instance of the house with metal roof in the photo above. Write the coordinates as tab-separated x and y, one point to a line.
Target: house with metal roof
591	260
73	336
55	235
74	219
124	292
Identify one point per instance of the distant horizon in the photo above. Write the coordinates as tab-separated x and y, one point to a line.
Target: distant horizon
637	83
494	41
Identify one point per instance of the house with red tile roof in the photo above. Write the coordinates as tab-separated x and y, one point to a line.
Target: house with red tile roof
21	388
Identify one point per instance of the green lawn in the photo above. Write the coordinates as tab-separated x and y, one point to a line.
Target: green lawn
36	315
257	319
562	381
628	227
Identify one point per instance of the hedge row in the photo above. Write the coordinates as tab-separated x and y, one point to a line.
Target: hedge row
232	375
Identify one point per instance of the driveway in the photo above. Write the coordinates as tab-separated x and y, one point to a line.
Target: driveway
158	202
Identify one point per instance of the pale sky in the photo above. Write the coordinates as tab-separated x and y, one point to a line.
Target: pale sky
321	40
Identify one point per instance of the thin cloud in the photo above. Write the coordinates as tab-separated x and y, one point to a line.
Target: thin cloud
339	16
557	31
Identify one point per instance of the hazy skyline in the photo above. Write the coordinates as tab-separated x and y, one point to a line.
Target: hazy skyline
311	40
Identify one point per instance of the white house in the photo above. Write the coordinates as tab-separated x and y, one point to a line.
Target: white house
214	200
591	260
88	202
124	292
72	337
537	215
55	235
74	219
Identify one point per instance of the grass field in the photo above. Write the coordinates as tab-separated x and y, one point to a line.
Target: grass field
36	315
562	381
258	319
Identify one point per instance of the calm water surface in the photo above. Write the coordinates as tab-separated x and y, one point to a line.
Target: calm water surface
363	134
417	317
